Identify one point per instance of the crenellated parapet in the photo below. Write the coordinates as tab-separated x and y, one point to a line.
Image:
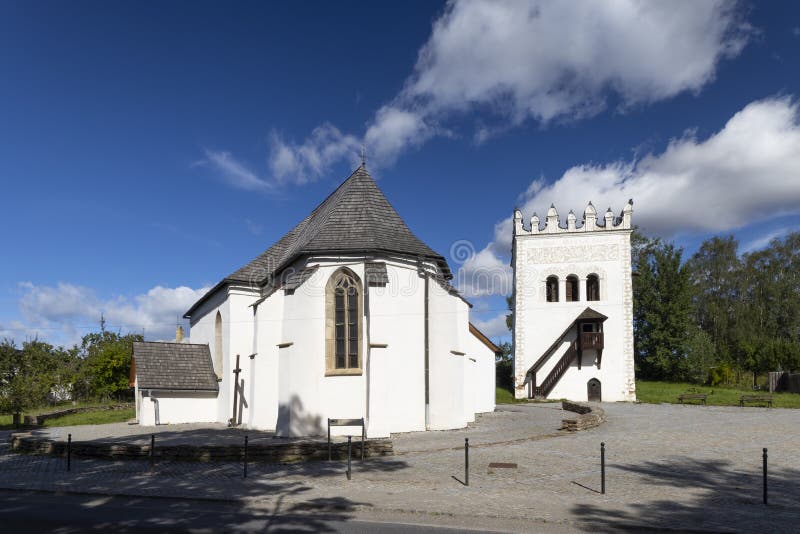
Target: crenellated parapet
552	223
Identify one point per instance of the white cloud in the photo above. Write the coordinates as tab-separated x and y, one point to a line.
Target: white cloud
514	60
494	327
747	172
544	59
307	161
62	314
235	173
764	240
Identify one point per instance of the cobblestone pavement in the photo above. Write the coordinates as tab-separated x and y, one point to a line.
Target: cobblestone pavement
668	466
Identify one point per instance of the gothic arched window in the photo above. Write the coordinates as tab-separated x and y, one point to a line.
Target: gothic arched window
552	289
592	287
218	345
573	293
343	310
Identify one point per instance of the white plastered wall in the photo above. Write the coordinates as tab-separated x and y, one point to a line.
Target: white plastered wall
483	387
447	335
396	370
538	322
174	407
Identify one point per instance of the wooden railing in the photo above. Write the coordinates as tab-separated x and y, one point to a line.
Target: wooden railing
592	340
557	372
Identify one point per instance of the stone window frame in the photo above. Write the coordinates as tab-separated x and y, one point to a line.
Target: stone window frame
330	325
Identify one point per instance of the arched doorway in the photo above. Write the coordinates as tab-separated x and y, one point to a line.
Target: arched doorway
593	390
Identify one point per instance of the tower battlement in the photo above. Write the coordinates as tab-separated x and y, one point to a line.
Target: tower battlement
552	223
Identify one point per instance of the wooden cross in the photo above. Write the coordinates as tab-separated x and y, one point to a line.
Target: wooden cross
235	391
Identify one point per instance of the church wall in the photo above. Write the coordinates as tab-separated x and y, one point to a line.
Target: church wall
396	371
538	322
202	330
446	359
264	368
239	341
306	396
483	385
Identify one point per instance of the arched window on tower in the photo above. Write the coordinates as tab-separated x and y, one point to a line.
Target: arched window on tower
592	287
343	336
552	289
572	289
218	345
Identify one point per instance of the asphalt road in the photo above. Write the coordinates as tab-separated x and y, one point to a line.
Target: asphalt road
32	512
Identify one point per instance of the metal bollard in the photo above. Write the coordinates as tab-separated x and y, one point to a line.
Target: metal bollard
603	468
69	451
466	461
152	449
765	475
349	455
245	457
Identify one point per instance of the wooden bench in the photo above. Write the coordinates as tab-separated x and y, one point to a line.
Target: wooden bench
692	396
756	398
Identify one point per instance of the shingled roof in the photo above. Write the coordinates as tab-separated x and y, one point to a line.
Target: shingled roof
174	366
356	218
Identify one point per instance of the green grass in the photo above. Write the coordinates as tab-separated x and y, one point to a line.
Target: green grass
658	392
100	417
85	418
504	396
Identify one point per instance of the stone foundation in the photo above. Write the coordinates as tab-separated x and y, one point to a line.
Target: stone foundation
273	453
587	416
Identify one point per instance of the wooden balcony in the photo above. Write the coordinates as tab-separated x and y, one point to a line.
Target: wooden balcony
592	340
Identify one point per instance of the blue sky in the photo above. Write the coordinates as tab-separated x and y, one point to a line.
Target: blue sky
149	149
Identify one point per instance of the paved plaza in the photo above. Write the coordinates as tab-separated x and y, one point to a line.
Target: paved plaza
668	467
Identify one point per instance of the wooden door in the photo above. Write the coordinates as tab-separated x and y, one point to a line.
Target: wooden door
593	390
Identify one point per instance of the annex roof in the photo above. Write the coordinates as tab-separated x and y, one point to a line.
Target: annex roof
355	218
173	366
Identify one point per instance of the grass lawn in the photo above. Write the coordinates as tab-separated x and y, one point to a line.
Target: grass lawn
658	392
86	418
100	417
504	396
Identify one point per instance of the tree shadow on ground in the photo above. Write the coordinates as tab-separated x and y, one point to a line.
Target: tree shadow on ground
727	499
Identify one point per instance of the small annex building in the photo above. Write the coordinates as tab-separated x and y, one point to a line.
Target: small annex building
173	382
348	315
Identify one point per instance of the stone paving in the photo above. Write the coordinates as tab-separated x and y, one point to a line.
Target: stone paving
668	466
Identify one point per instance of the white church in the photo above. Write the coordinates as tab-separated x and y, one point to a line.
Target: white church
349	315
573	307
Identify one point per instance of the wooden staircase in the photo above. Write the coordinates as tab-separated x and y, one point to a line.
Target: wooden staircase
557	372
584	340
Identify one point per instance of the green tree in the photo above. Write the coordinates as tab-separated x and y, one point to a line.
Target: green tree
25	375
661	314
105	371
717	282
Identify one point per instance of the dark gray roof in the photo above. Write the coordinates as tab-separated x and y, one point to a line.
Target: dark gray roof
356	218
298	278
375	273
591	315
174	366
